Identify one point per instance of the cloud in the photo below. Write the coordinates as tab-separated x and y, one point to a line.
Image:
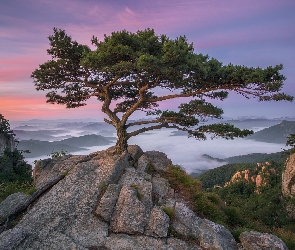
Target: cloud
34	105
17	68
243	32
188	151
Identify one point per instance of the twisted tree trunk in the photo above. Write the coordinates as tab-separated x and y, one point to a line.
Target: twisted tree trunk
122	134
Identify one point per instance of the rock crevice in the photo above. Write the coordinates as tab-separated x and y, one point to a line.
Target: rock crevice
109	201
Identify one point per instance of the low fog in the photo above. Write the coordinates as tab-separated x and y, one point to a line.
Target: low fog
182	150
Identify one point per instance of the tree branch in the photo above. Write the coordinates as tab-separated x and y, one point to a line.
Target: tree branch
106	107
113	81
136	105
167	97
136	132
159	126
142	122
108	121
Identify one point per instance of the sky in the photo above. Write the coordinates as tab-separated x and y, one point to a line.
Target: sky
251	33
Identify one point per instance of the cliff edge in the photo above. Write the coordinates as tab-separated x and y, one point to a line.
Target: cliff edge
288	177
6	143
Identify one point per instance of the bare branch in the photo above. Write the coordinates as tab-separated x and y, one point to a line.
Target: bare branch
162	125
134	133
167	97
108	121
142	122
113	81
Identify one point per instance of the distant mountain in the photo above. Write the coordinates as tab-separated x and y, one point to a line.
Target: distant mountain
220	175
255	124
85	141
39	148
250	158
97	126
104	133
252	123
208	157
24	127
275	134
41	135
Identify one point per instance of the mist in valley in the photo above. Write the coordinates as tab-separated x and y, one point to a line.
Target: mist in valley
83	137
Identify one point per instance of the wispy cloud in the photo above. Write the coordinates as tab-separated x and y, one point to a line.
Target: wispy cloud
243	32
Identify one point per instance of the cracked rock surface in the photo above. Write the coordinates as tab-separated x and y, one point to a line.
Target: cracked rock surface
110	201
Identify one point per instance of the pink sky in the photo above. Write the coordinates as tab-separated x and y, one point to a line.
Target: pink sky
251	33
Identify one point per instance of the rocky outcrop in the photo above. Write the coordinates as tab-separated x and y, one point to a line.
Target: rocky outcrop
258	176
110	201
288	184
158	159
288	177
6	142
261	241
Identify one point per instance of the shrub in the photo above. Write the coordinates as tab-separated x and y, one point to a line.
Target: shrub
182	182
233	216
214	198
170	212
237	232
205	208
15	173
14	168
139	194
104	187
203	204
287	235
55	154
9	188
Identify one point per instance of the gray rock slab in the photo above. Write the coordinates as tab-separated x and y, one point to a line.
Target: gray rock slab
132	176
158	223
11	203
66	210
65	217
176	244
135	151
159	159
130	215
127	242
186	222
57	241
161	186
89	232
143	163
107	202
141	181
215	236
11	239
49	169
261	241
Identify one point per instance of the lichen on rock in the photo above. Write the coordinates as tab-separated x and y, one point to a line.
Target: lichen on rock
111	201
254	240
